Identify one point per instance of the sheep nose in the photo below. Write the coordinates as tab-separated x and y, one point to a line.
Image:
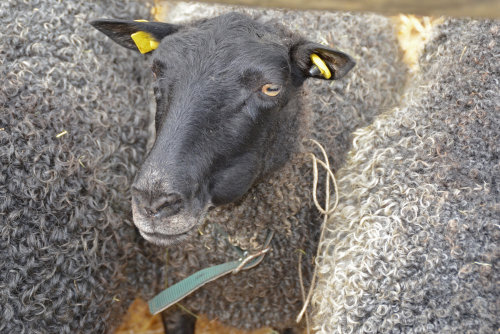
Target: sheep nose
160	205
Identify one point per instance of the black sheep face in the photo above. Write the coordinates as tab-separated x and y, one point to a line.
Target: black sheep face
225	92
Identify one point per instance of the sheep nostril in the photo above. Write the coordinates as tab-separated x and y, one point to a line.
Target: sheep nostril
149	212
161	205
167	205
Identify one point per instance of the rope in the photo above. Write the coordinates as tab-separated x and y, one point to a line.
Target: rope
326	211
302	290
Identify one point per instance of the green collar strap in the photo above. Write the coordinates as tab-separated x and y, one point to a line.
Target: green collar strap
187	286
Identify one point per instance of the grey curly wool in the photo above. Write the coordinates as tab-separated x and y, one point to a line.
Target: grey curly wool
270	294
413	245
70	258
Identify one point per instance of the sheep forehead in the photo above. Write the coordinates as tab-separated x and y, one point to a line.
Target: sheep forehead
225	39
236	24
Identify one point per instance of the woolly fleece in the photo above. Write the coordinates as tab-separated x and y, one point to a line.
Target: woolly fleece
413	246
70	258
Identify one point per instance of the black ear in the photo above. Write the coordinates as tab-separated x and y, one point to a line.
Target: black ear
133	34
319	61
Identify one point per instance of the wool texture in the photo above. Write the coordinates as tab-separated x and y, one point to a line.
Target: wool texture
413	246
71	260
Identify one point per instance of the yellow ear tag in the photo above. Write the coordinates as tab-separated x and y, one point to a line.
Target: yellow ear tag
144	41
325	71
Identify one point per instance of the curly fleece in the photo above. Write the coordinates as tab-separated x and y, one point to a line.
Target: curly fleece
413	246
70	258
270	294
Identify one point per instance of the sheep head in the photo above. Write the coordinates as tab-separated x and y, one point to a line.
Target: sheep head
227	103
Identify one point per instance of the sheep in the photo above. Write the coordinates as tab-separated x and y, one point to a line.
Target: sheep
73	132
413	245
72	135
179	200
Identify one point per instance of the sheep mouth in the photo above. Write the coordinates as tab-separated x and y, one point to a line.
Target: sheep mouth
168	231
164	240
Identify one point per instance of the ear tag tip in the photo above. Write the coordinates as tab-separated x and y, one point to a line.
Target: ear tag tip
144	41
314	71
321	66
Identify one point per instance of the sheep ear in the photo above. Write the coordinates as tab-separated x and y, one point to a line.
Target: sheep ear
319	61
136	35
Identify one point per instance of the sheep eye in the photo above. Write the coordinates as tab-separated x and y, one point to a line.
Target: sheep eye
271	89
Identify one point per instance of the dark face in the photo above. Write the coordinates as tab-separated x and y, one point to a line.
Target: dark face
226	90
